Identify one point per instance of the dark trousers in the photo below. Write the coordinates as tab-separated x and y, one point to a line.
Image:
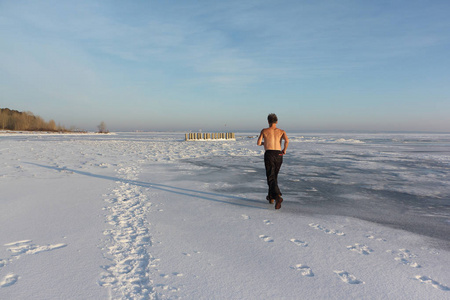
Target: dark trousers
273	160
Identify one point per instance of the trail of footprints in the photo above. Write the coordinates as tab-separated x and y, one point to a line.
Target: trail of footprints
402	256
127	274
17	249
131	265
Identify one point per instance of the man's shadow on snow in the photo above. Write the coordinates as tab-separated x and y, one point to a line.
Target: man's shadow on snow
164	187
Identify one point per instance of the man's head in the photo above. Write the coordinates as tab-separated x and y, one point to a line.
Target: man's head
272	119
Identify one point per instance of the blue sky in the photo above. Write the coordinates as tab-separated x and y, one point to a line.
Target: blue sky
224	65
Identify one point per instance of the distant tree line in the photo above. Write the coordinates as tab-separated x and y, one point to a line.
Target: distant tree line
16	120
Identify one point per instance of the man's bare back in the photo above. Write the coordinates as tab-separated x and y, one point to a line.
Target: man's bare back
273	157
272	138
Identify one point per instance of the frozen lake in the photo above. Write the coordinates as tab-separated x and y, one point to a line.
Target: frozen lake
399	180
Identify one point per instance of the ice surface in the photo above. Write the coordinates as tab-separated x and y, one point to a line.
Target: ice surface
397	180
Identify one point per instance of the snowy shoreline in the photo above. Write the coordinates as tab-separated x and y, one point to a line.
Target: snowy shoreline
45	133
147	216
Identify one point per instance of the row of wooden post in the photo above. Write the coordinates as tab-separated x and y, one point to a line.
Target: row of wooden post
210	136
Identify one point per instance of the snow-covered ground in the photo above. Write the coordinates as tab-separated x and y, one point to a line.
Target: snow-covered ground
149	216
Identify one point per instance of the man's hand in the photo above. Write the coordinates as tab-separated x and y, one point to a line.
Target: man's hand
260	139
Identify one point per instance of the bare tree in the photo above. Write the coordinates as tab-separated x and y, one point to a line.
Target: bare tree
102	128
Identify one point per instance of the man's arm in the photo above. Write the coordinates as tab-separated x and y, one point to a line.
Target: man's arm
286	142
260	142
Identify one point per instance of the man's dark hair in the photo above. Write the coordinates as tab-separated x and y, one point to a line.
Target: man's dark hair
272	118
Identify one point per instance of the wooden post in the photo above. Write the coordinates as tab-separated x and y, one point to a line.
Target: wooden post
193	136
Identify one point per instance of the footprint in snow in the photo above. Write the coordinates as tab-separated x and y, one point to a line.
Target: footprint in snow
361	249
266	238
304	270
25	247
299	243
348	278
404	256
326	230
433	283
372	237
9	280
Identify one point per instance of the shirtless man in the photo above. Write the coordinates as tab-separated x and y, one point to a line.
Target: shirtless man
273	157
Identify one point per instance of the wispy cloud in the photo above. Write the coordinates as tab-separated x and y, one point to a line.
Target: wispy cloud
300	39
